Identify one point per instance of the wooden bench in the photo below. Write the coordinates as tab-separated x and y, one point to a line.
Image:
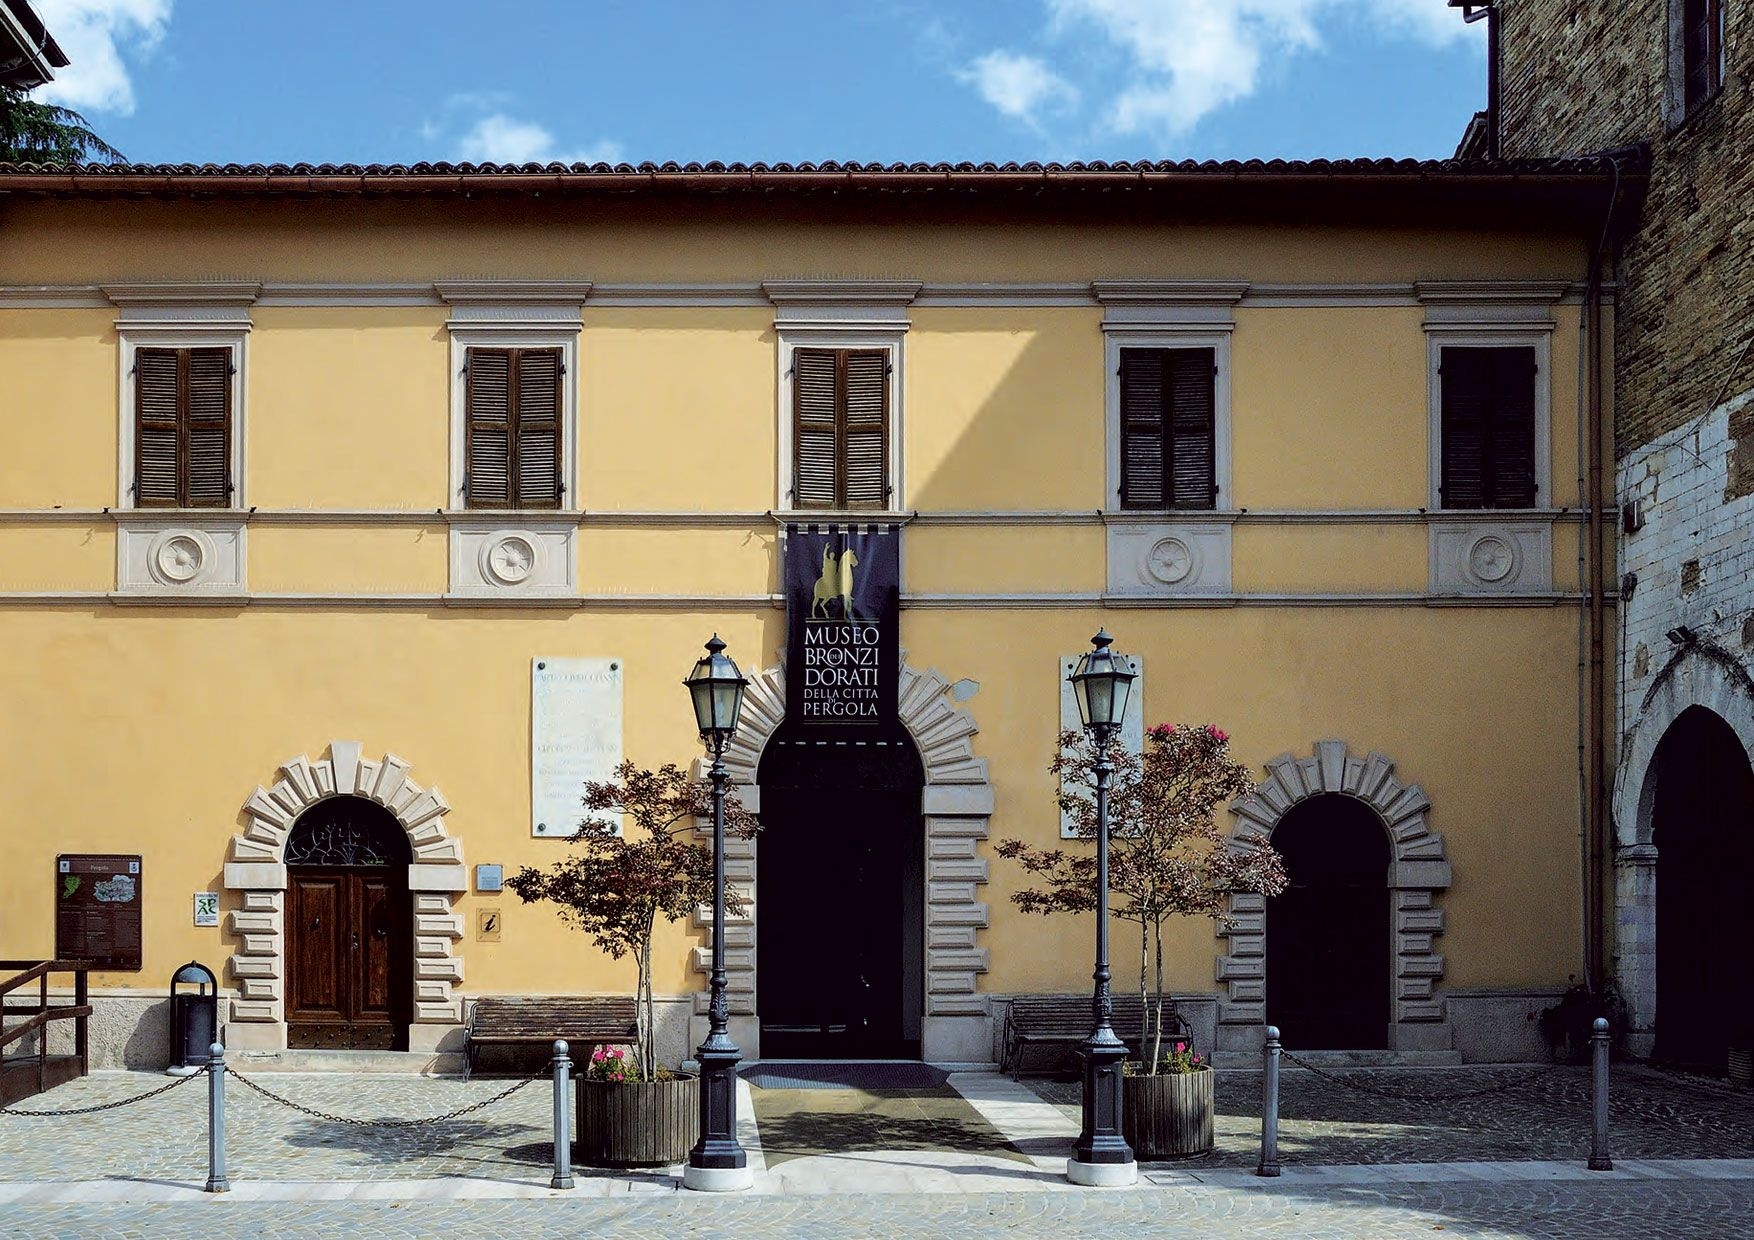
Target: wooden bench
1061	1022
584	1021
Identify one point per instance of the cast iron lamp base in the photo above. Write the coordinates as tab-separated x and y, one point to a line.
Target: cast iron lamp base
1102	1175
717	1179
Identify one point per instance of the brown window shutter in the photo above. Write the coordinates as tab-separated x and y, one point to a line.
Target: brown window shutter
1487	427
1168	428
488	394
537	433
157	434
207	428
815	425
864	428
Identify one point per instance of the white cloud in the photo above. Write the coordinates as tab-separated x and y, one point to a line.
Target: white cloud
1184	59
1019	86
94	34
501	139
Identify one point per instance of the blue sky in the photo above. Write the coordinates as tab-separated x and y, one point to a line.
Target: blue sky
395	80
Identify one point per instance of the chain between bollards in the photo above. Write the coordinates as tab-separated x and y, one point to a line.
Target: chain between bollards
1270	1052
216	1179
562	1117
1599	1160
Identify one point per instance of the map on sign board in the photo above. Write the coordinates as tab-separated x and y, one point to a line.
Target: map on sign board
1132	724
575	737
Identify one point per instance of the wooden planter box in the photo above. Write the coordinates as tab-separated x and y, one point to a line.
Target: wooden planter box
1168	1116
637	1124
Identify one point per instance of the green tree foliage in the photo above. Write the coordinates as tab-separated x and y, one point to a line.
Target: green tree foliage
41	133
617	884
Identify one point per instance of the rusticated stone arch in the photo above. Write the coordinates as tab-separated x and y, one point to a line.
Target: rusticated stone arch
257	871
1418	871
957	804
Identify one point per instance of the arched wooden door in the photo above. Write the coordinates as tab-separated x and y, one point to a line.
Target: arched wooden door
1702	823
1329	936
349	924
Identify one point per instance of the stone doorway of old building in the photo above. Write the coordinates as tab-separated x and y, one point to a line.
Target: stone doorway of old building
1702	822
840	894
350	959
1329	935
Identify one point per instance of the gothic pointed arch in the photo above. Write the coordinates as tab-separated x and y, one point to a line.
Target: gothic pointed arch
256	871
1418	871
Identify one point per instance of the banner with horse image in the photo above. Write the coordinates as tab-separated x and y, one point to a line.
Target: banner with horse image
843	596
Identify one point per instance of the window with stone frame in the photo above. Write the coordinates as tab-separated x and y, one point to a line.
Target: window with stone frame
1701	37
514	442
1168	428
840	428
1486	426
182	427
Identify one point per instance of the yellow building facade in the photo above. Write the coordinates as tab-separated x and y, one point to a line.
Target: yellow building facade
188	684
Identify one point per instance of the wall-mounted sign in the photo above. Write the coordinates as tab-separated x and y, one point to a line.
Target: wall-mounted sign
489	878
487	925
97	909
843	594
206	908
1132	724
575	737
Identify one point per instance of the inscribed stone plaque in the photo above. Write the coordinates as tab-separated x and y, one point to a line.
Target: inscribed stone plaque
575	736
97	910
1132	724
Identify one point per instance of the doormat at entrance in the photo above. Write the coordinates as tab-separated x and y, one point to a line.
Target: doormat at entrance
845	1076
801	1123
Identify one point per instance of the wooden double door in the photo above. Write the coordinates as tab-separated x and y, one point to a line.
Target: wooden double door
350	971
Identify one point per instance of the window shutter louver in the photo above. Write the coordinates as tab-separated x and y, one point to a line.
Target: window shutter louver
1487	425
157	399
814	427
489	398
537	433
1168	428
208	423
865	472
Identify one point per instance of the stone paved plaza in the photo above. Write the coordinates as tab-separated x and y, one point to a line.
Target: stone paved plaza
1508	1163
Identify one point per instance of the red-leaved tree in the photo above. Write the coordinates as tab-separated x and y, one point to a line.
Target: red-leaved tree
1168	857
615	886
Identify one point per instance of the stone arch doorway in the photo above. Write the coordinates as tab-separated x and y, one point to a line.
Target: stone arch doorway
841	846
1417	872
1702	827
1328	956
257	875
955	807
350	959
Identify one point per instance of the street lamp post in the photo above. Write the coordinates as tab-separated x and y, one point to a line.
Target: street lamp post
1101	683
717	1163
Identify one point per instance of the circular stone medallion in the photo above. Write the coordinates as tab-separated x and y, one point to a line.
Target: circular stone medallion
179	557
510	559
1491	558
1170	560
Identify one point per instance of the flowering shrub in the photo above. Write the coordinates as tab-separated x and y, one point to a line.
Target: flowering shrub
1181	1060
609	1063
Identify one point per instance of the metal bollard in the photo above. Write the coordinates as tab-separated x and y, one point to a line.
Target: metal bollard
562	1117
1599	1160
1269	1164
216	1181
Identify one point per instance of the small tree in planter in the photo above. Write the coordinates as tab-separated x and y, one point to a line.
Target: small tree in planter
1168	857
616	886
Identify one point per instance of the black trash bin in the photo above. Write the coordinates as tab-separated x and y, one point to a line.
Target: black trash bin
194	1018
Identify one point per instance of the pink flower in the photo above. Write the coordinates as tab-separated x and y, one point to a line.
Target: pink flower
1180	1047
1217	733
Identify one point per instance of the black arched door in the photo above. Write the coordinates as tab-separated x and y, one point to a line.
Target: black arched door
349	926
1329	936
840	899
1702	823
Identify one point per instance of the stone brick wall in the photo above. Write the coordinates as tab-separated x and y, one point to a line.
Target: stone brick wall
1580	76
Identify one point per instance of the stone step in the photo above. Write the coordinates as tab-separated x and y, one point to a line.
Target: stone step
405	1063
1335	1060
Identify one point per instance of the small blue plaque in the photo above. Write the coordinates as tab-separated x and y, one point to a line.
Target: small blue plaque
489	878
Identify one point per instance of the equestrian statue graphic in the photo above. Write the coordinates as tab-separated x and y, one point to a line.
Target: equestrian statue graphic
836	582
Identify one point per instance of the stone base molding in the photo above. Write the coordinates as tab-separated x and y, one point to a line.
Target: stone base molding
957	804
257	871
1417	873
1702	675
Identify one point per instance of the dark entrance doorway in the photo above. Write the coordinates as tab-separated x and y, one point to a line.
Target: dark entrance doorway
840	899
349	925
1329	935
1702	823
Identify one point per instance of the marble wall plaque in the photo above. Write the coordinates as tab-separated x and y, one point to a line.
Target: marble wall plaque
575	736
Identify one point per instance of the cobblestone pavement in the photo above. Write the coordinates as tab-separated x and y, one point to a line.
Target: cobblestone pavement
1644	1210
1542	1114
